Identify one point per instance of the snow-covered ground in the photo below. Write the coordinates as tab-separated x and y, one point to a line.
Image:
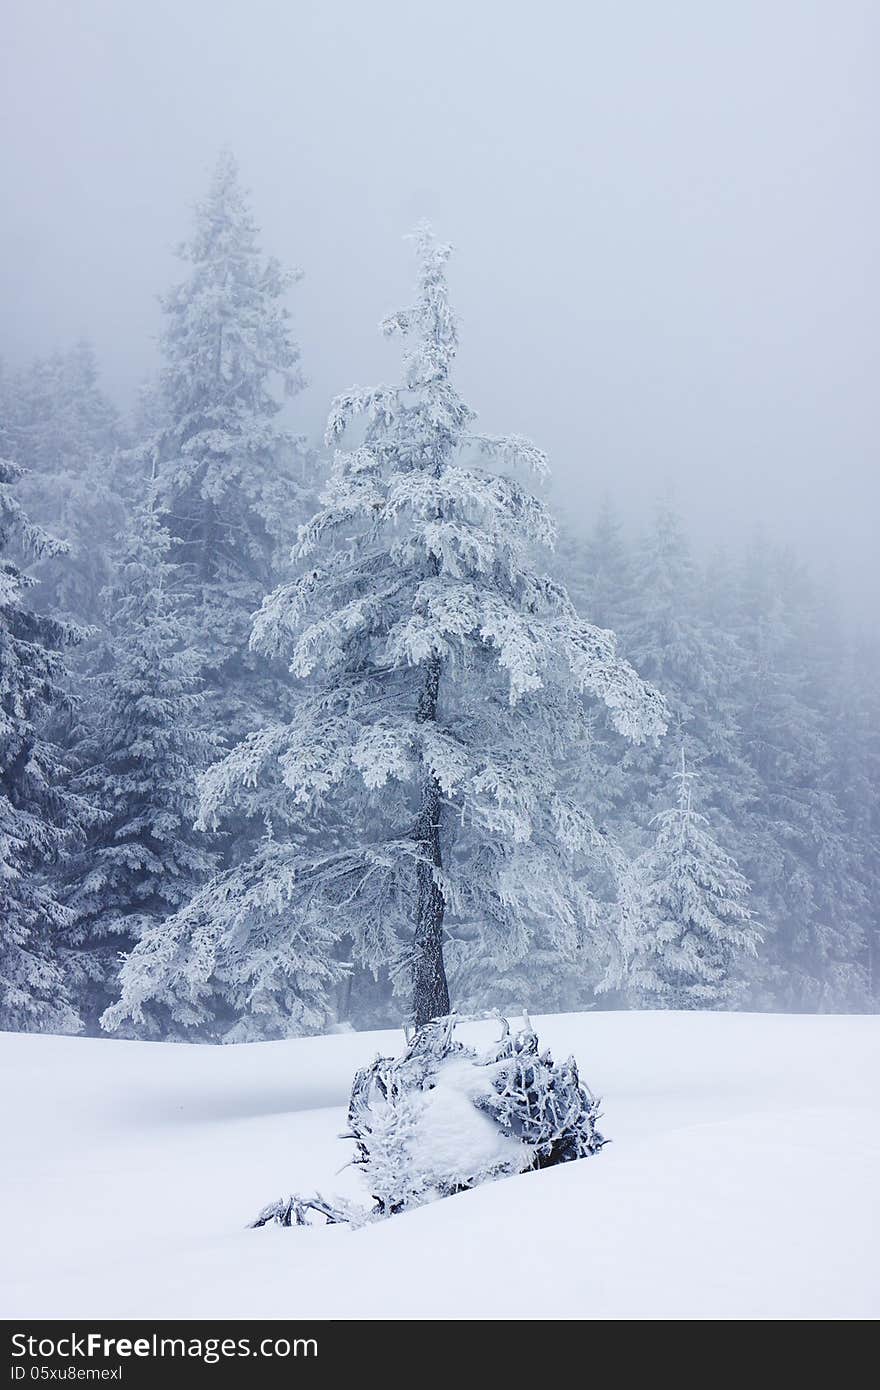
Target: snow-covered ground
742	1181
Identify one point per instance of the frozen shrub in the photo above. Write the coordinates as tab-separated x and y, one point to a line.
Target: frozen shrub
543	1103
444	1117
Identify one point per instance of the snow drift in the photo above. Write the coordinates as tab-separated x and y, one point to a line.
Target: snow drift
741	1182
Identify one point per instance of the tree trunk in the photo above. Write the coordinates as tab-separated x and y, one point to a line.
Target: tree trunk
430	990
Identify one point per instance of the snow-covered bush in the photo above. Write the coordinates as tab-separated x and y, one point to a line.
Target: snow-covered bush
444	1117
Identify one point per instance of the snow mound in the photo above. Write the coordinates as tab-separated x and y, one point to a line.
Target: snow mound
439	1141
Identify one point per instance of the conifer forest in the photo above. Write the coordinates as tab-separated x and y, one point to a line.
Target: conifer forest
439	676
300	734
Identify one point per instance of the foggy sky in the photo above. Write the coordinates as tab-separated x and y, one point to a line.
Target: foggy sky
665	215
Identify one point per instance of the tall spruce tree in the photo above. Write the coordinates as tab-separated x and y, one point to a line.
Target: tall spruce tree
796	849
65	433
140	752
39	815
854	713
598	568
670	635
445	676
229	482
694	922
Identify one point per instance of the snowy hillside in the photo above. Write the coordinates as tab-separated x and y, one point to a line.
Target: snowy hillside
741	1182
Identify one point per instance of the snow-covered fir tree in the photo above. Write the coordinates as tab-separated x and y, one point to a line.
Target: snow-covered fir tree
670	636
855	721
140	751
694	921
65	433
664	576
797	847
598	568
230	482
846	868
39	815
445	681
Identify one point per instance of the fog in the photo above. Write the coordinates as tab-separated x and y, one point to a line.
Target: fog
666	220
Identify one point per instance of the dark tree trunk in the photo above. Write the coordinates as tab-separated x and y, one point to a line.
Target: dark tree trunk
430	990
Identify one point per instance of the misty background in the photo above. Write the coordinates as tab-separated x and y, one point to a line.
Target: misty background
666	221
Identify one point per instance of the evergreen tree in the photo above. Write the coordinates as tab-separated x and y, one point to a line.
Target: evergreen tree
838	684
445	681
229	481
7	440
857	769
695	922
598	569
673	639
597	572
796	846
140	753
65	432
38	814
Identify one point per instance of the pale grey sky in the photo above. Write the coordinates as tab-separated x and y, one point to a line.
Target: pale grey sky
665	214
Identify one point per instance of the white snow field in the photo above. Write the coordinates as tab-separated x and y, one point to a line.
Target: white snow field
742	1181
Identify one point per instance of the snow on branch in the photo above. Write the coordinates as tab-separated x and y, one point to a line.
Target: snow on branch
512	451
376	403
638	711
